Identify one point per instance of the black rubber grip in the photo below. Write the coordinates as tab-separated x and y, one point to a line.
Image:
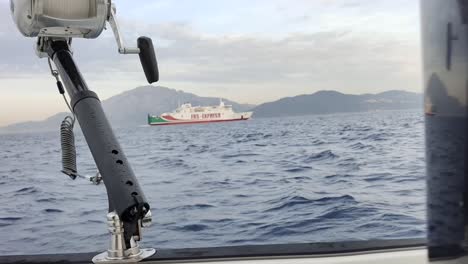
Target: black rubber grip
148	59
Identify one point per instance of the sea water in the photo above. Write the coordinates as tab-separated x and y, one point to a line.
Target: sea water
339	177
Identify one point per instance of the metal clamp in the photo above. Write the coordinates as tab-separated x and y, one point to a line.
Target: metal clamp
117	253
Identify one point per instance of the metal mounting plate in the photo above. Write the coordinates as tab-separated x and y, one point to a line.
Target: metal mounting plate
144	253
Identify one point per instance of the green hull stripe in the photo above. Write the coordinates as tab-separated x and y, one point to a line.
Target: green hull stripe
152	120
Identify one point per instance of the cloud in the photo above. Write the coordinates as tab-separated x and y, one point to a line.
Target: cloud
247	54
191	56
348	59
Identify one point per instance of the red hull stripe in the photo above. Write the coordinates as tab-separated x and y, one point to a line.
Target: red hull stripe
196	122
169	117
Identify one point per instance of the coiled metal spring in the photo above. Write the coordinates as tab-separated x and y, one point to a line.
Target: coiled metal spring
67	138
67	141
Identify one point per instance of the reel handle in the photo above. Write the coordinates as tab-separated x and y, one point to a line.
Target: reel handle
148	59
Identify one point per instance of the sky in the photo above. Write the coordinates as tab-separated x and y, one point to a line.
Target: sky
249	51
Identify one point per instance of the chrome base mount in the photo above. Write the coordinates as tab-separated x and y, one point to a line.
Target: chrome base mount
117	253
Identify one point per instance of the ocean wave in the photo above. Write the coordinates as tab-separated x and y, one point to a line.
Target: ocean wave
296	169
26	190
378	177
172	163
238	155
192	228
318	142
348	213
378	136
46	200
52	210
89	212
324	155
10	219
360	145
336	176
289	202
192	207
197	149
317	178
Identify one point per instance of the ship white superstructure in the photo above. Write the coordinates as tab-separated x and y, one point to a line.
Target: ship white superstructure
186	113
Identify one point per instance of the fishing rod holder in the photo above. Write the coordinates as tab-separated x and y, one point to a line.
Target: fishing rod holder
55	23
128	209
117	252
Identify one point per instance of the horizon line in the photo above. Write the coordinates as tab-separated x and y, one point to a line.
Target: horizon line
180	90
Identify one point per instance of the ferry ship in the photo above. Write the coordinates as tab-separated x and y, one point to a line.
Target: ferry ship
188	114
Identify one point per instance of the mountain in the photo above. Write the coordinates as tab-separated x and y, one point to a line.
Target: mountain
50	124
130	108
326	102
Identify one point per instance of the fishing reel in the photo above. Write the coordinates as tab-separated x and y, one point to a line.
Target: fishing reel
50	20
